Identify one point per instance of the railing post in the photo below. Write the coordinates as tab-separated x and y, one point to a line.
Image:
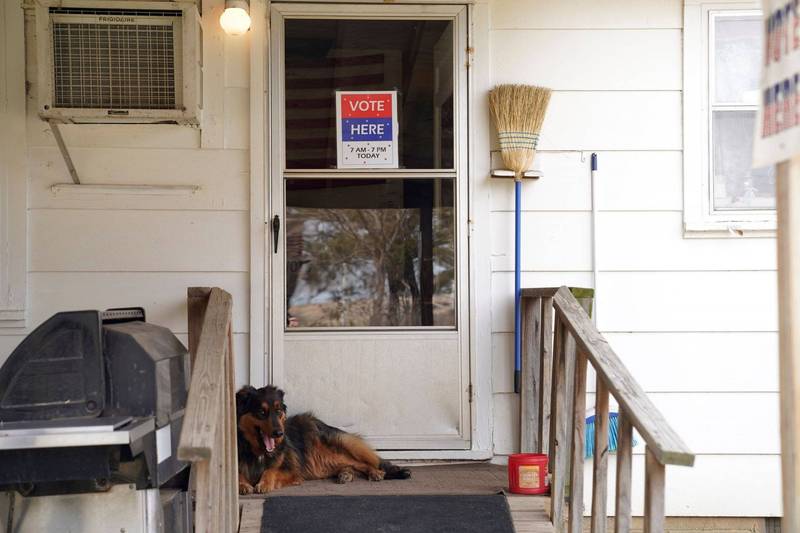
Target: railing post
622	512
531	381
600	474
578	443
563	372
546	373
653	494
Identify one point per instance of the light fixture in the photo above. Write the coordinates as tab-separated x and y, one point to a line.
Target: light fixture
235	20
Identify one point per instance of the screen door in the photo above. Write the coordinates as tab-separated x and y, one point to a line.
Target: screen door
369	284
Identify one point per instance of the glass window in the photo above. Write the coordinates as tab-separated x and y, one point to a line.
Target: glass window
370	252
413	57
734	82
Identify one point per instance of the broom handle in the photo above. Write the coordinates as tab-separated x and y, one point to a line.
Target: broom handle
517	291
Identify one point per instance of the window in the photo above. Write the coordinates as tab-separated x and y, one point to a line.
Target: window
371	248
722	61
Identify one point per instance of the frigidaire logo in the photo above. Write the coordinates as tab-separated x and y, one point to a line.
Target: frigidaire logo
116	19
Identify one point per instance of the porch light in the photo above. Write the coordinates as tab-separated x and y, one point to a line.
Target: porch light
235	20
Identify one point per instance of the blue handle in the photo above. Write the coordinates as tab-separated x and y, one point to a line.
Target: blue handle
594	161
517	292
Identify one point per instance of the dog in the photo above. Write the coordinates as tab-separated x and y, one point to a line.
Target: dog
276	451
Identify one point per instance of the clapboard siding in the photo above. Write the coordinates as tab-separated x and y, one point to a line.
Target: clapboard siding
595	59
676	362
586	14
688	301
654	241
162	294
626	181
119	241
118	136
543	232
613	120
506	423
717	485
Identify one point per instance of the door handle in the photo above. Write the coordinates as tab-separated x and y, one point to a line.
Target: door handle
276	231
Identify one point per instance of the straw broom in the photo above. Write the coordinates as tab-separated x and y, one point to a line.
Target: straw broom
518	113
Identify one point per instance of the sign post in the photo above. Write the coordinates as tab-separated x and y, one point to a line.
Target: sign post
366	129
777	141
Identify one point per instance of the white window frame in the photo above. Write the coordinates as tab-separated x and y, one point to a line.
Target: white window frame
13	169
700	218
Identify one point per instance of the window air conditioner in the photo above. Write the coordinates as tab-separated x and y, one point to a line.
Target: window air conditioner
119	61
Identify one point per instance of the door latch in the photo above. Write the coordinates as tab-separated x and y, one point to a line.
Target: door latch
276	231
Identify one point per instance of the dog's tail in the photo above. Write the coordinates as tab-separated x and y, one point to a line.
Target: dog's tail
394	471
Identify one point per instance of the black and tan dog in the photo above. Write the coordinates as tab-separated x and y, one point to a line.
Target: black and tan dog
276	451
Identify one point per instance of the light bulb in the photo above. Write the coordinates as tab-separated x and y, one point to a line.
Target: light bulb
235	20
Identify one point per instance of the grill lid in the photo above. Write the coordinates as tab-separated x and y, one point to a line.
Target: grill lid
57	371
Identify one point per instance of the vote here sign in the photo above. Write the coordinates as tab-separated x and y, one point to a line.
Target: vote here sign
366	129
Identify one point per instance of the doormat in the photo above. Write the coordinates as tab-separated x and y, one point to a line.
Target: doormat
384	514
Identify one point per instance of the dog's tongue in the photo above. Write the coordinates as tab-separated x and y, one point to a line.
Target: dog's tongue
269	443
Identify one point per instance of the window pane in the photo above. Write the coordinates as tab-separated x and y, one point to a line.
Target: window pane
737	58
414	57
736	184
370	253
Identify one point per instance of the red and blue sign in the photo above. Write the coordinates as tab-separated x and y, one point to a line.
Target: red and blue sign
366	129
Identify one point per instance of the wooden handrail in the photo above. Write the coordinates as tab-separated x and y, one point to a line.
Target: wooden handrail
665	444
559	342
208	436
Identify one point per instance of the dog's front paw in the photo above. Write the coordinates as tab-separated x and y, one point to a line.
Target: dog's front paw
376	475
263	487
345	476
245	488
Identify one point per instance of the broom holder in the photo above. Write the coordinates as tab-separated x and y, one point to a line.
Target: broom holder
527	175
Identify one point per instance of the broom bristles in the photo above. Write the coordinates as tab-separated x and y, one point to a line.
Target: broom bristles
518	113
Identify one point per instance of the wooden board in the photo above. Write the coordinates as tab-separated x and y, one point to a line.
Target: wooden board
162	294
564	236
595	58
585	14
613	120
98	240
654	241
688	301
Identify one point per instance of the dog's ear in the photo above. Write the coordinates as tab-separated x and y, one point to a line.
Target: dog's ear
243	399
281	394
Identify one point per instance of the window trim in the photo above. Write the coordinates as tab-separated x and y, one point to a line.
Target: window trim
700	220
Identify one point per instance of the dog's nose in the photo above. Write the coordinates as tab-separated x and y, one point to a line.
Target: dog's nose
277	433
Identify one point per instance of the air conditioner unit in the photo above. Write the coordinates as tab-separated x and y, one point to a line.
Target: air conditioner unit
119	61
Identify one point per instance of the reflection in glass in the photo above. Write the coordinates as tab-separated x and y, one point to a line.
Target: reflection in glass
736	184
370	252
414	57
737	58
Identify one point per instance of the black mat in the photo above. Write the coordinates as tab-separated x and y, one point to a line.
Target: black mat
366	514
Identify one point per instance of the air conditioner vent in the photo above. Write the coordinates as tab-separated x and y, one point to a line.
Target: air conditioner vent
115	66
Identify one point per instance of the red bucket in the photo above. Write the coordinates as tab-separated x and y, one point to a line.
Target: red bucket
527	473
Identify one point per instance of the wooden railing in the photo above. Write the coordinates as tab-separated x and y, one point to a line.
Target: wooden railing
208	438
559	340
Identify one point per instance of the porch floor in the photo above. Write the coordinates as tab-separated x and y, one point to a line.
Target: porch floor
527	512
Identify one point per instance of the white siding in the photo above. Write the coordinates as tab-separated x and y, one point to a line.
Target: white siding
95	251
695	320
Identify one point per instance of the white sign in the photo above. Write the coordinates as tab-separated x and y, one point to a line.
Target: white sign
366	129
777	136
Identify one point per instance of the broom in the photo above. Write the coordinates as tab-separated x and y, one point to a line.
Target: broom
518	112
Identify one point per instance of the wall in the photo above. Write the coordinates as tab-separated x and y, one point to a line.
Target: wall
695	320
96	251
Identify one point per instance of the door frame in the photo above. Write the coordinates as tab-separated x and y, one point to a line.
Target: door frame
263	360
